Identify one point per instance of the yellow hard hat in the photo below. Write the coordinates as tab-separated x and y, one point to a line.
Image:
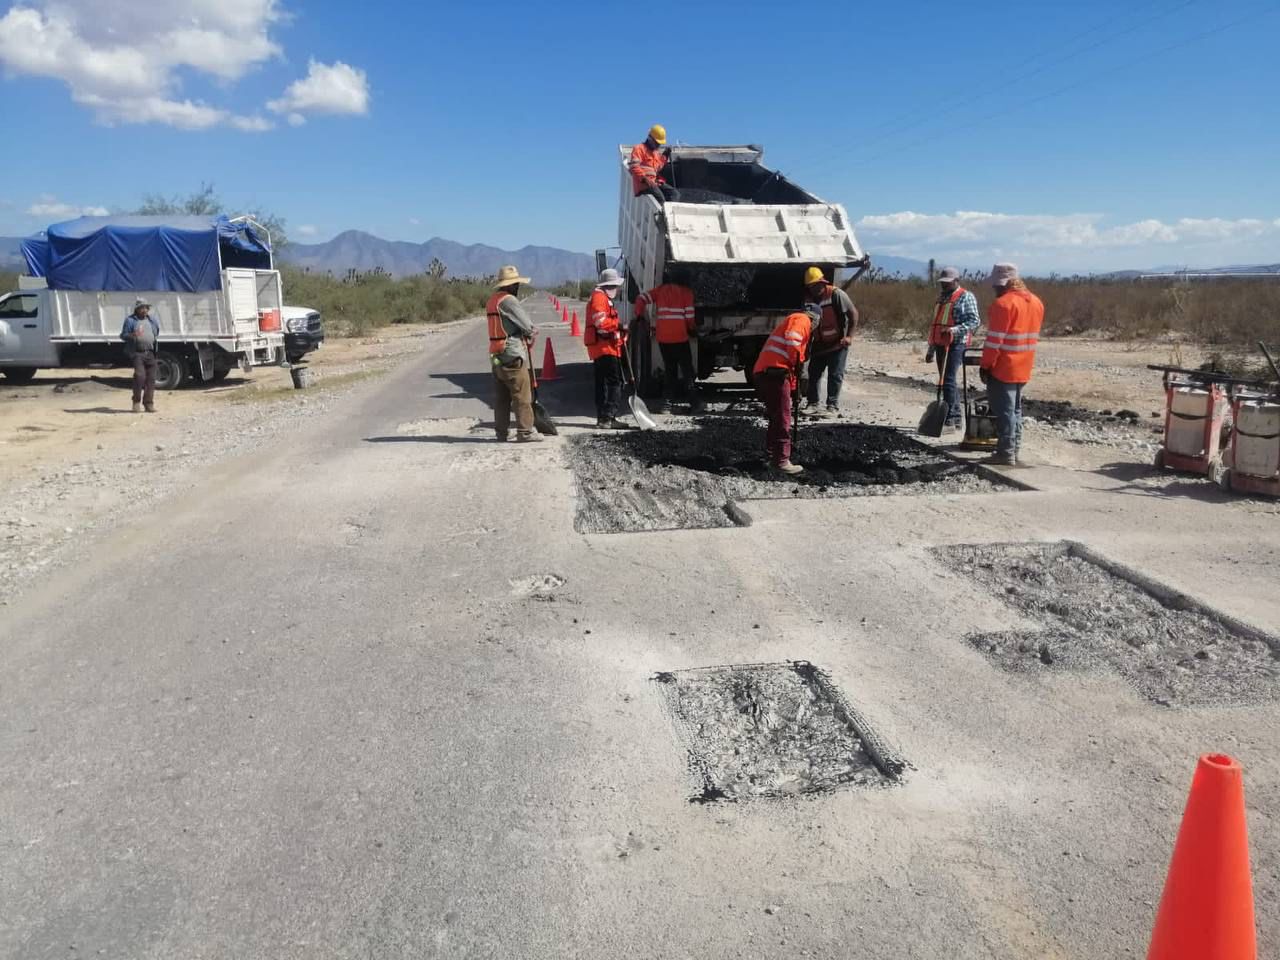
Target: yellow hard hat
814	275
659	134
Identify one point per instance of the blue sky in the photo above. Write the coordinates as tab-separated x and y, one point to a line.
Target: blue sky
1073	136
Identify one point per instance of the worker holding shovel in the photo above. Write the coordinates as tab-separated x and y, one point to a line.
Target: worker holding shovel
782	369
510	331
955	318
604	339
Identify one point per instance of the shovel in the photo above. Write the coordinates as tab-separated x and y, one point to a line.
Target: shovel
638	410
935	415
542	421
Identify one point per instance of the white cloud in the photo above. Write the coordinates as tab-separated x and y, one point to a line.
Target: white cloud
1068	241
125	61
415	221
296	119
327	88
51	208
308	230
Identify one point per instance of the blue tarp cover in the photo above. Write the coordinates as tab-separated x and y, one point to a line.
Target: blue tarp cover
137	253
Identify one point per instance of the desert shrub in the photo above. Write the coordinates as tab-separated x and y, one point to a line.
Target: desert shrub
359	302
1227	311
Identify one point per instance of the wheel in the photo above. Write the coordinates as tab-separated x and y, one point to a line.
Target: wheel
1158	460
647	385
706	361
20	374
171	370
219	374
748	353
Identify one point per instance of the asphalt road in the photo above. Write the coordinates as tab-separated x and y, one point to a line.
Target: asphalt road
367	694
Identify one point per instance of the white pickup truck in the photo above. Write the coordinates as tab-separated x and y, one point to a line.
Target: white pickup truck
742	236
87	274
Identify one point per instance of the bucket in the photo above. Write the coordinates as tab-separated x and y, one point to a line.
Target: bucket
1189	409
268	320
303	377
1257	442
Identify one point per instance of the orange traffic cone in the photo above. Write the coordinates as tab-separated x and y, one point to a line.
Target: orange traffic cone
1207	907
564	314
549	371
575	330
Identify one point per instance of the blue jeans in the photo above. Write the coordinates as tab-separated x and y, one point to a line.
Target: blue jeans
1006	406
950	380
832	364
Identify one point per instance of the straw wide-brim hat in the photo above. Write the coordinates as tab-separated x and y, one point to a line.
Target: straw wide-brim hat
509	275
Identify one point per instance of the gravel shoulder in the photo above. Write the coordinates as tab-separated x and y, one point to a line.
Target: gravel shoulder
74	462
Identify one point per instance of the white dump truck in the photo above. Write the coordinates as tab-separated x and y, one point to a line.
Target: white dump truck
210	282
740	235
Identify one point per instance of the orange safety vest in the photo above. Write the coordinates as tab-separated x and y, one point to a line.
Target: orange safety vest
674	318
497	332
645	164
602	336
1013	331
787	347
942	319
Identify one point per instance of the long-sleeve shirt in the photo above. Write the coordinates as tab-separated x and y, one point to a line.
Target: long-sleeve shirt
129	332
518	327
646	167
965	319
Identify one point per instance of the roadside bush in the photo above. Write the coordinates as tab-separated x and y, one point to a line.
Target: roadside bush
359	302
1228	311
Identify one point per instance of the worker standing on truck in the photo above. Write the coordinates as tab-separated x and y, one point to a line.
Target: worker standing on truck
830	341
781	369
954	319
510	333
647	162
673	319
1009	353
140	333
604	339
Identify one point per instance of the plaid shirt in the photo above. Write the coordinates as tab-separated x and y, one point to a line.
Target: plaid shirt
965	318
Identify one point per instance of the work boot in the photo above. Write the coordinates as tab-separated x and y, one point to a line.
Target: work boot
1000	460
833	410
502	437
604	423
137	406
789	468
528	438
150	408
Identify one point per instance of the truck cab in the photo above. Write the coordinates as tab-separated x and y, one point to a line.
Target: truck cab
25	346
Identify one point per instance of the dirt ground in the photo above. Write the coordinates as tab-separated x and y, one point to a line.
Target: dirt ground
66	411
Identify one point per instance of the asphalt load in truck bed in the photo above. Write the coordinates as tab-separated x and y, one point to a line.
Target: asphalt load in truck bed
691	473
1097	614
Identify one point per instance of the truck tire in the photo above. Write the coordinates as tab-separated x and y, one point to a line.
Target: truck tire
641	347
172	370
748	352
706	361
20	374
219	374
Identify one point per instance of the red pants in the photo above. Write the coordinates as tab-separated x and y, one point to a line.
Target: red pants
775	391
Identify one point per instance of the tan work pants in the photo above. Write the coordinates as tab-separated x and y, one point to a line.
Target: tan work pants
512	388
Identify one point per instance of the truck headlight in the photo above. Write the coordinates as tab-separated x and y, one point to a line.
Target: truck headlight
296	325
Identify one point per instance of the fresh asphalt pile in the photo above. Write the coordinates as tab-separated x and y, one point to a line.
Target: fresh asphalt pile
774	729
1172	650
693	472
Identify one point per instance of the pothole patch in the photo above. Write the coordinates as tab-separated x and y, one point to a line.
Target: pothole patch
1096	613
772	730
540	585
439	427
694	478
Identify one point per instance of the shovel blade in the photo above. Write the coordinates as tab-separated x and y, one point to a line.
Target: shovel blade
935	415
643	418
542	421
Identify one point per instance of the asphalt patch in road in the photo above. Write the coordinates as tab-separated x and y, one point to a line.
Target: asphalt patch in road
772	730
1096	613
693	473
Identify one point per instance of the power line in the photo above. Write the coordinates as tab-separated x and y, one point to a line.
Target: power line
900	126
1092	78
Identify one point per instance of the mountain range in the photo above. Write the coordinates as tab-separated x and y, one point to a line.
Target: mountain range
356	250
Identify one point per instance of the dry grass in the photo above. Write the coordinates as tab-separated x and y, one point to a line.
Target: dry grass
1222	312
